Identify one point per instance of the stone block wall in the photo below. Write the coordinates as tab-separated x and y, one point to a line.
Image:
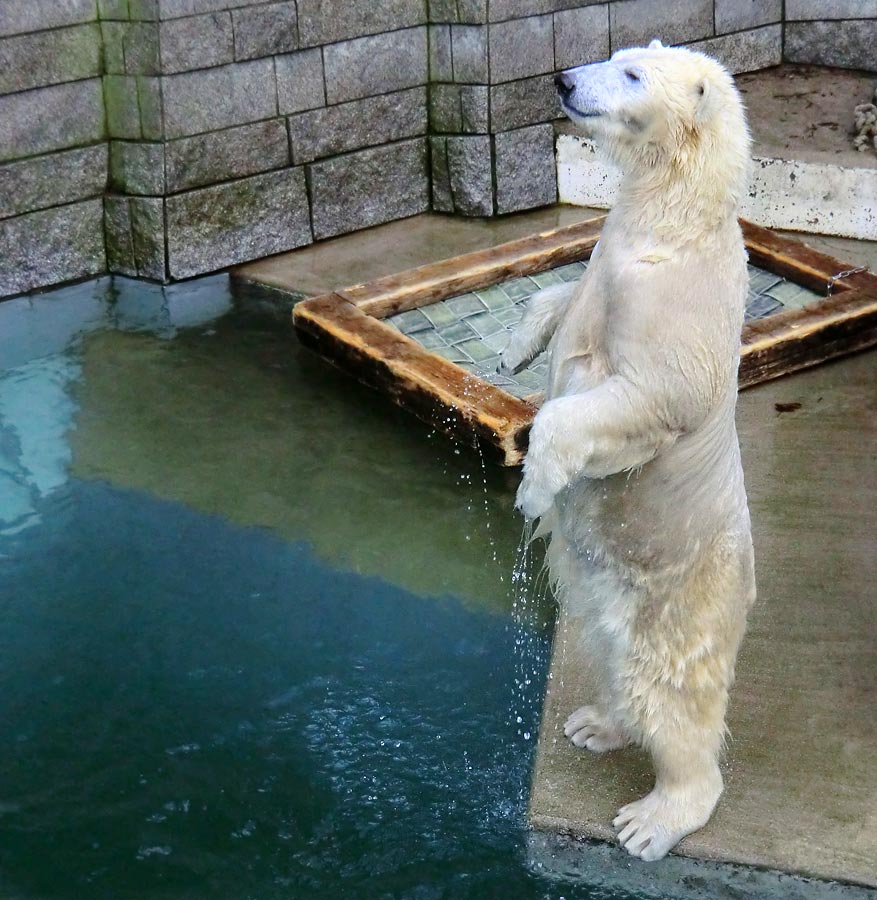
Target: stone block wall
169	138
492	101
832	33
53	151
243	128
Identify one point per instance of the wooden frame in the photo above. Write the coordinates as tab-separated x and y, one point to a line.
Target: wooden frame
345	327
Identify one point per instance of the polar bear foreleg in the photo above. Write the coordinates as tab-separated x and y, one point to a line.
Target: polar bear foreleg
536	328
609	429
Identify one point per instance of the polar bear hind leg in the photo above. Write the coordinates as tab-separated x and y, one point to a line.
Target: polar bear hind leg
687	787
677	688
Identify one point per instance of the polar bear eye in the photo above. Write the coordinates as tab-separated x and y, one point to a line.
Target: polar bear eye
631	75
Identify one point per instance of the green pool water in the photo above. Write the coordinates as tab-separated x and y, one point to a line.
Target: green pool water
255	633
256	628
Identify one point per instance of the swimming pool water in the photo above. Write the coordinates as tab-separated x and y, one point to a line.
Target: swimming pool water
211	686
195	709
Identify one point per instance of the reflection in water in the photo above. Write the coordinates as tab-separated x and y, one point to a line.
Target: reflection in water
37	370
35	415
49	323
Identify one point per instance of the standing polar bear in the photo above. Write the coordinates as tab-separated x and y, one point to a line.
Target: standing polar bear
634	464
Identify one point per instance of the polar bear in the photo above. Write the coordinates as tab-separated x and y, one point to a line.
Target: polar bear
634	464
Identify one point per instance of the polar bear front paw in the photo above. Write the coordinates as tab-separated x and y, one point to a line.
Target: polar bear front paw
536	494
587	727
515	357
544	474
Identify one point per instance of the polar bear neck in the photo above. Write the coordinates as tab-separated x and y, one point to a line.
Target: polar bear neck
688	188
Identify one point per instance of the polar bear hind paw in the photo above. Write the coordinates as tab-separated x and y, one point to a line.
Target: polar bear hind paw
588	728
649	828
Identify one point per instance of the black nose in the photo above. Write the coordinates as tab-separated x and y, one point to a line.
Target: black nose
564	84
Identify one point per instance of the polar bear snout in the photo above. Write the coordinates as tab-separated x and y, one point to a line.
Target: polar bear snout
590	92
565	84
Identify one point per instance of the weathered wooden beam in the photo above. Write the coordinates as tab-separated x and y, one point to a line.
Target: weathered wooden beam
799	338
435	390
345	328
802	264
472	271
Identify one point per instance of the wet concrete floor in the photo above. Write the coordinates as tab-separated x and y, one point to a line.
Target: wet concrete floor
805	113
387	249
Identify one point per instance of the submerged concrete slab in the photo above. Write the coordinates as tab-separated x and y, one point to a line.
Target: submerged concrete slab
801	767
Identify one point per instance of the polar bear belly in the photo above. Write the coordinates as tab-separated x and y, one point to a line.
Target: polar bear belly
654	519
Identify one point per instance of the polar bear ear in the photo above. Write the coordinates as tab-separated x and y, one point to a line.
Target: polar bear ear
703	99
656	44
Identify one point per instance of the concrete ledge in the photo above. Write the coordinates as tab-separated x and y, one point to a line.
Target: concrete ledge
607	872
799	196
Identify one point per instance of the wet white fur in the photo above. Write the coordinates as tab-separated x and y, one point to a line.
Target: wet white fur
634	465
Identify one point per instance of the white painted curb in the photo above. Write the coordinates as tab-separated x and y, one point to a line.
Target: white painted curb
812	197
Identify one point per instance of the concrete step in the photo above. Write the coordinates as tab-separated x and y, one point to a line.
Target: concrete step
806	174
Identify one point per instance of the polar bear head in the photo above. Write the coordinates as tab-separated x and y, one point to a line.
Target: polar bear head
654	107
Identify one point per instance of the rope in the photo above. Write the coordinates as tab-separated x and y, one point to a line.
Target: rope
865	118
